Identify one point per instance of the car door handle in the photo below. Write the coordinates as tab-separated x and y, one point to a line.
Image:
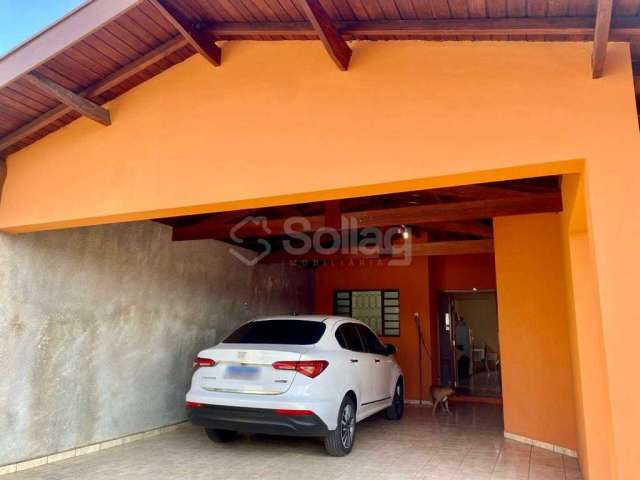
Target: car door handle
354	360
377	360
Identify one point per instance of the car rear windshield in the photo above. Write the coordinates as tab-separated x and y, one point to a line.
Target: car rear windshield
279	332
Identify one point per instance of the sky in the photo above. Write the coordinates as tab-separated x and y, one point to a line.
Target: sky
20	19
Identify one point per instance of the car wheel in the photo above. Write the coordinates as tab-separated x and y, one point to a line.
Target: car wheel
220	436
339	442
396	409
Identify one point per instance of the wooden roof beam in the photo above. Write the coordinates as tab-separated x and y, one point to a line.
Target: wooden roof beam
335	45
198	39
401	28
601	37
480	191
621	27
415	215
476	228
95	90
453	247
70	99
332	214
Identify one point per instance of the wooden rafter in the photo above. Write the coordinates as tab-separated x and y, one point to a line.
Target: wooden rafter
332	214
459	247
482	192
202	42
415	215
601	37
326	31
72	100
95	90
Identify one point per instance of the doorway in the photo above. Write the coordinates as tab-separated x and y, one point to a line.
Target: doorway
469	343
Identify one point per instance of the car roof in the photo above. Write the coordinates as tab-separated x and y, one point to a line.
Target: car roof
328	319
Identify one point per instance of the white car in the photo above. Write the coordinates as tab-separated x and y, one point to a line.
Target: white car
301	375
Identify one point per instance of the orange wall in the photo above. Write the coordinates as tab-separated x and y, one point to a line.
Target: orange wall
462	272
278	123
612	190
413	283
534	329
456	272
591	384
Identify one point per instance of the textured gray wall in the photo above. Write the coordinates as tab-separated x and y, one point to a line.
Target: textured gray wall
99	325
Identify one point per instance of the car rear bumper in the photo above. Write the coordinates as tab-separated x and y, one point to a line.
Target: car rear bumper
257	420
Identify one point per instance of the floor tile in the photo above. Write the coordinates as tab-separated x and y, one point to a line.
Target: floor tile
468	444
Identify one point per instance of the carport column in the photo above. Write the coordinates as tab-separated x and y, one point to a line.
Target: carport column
612	187
537	377
591	385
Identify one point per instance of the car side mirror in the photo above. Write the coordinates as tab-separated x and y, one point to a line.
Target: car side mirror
390	348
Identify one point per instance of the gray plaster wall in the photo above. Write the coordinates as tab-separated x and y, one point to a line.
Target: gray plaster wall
99	325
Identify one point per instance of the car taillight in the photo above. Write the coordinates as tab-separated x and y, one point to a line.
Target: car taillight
285	411
310	368
194	405
203	362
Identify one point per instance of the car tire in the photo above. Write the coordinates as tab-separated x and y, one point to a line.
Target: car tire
220	436
396	409
340	441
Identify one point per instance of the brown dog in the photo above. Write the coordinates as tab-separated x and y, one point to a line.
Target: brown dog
440	396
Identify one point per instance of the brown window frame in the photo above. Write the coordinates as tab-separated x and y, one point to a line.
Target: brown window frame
388	324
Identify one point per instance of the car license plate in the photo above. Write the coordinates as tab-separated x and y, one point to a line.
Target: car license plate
242	372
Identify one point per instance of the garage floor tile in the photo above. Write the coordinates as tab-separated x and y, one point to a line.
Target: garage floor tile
468	444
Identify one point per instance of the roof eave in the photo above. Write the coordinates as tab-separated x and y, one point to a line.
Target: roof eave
70	29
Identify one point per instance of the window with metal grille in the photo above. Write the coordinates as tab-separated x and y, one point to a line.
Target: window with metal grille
380	309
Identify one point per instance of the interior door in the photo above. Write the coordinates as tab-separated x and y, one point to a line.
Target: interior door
445	340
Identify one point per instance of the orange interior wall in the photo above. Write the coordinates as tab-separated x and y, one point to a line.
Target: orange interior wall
537	375
455	272
413	283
